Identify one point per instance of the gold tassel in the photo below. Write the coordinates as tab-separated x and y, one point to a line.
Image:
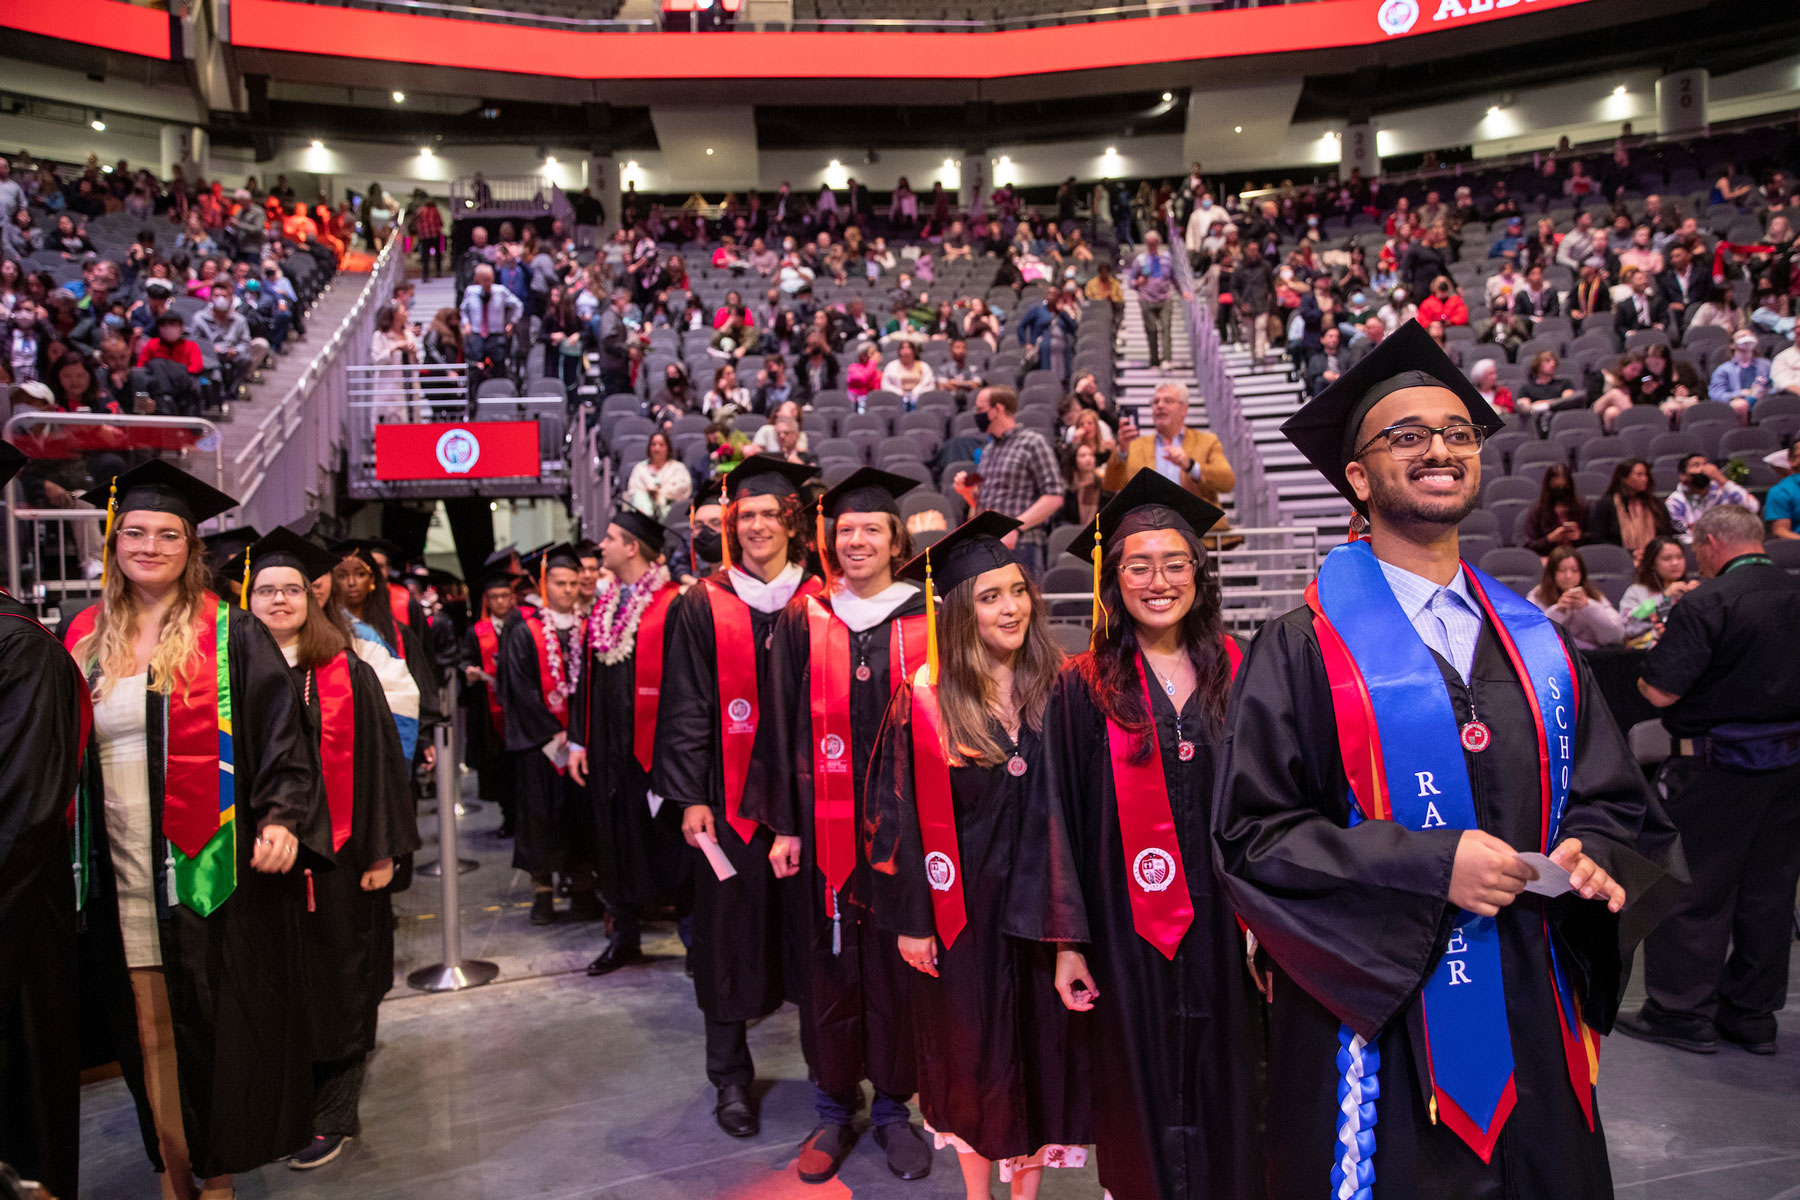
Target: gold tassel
244	590
931	630
543	573
819	536
112	504
1099	614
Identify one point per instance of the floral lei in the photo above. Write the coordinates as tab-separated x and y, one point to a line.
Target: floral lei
612	626
562	681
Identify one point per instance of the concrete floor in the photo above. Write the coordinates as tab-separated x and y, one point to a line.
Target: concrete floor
550	1085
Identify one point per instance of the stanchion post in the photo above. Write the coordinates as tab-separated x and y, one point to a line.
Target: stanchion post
454	973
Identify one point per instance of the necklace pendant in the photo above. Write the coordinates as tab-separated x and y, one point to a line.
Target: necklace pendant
1476	737
1185	751
1015	766
1169	686
863	673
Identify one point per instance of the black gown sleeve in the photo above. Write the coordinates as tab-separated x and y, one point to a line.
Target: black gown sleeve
530	725
1622	826
581	699
772	792
687	714
1353	915
285	784
424	672
898	894
1044	897
383	776
39	731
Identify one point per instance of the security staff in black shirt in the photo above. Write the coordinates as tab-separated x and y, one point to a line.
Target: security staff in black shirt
1725	678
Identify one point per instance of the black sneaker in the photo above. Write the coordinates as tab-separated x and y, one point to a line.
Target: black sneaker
322	1149
1696	1035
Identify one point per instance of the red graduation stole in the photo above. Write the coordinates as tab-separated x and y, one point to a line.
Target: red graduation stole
199	784
739	705
1161	908
337	744
554	700
834	787
400	603
937	812
488	642
647	672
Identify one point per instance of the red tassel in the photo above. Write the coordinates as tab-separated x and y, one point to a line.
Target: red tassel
311	904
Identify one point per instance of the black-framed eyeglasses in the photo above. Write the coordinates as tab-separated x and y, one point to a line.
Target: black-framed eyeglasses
1463	439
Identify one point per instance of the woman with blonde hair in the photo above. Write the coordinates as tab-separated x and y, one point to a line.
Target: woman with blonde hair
201	797
941	822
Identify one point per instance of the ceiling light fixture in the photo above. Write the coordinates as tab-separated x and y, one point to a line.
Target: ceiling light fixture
317	144
1493	110
424	151
1619	91
98	125
1237	129
549	160
399	97
709	151
1168	96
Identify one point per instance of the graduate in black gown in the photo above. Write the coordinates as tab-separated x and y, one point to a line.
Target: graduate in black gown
371	601
349	925
998	1077
1384	886
44	712
484	721
1117	865
713	715
540	668
636	838
826	710
192	951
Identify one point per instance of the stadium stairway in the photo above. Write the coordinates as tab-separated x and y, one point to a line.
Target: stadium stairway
281	371
1136	381
1270	395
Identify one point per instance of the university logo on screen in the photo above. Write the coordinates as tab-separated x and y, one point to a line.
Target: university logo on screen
1398	17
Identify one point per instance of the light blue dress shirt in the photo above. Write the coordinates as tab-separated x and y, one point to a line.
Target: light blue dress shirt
1447	618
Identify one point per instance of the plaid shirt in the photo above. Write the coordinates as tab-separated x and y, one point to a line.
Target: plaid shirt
1018	470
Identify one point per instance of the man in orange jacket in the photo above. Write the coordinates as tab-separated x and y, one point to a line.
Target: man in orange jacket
1191	457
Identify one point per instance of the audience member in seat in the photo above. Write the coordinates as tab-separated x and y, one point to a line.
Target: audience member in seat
1544	389
1720	308
1684	285
1782	508
818	370
1558	516
864	375
1643	309
1193	458
1084	495
1743	379
1618	387
1486	378
1661	580
1629	513
1443	304
1569	599
1703	486
661	483
1326	363
908	376
1590	295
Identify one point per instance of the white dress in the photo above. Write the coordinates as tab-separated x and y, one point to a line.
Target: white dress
119	721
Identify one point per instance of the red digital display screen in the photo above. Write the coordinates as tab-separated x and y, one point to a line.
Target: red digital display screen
573	54
112	24
462	450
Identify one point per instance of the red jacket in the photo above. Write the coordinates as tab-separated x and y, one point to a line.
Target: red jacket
1451	312
186	352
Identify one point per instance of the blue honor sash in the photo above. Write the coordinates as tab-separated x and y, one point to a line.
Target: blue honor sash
1405	762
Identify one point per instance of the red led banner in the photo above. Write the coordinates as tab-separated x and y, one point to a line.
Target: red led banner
463	450
494	46
112	24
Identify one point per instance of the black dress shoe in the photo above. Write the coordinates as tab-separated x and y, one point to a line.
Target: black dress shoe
907	1154
543	908
616	956
735	1113
1696	1035
586	906
823	1152
1755	1035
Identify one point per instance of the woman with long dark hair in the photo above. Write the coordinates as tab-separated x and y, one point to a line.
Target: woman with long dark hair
1117	864
1629	513
942	819
1556	519
1660	580
200	799
1572	600
348	929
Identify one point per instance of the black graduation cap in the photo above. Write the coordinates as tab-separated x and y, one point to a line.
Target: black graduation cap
965	552
558	554
1149	500
501	559
712	490
12	460
366	548
767	475
648	531
1326	428
155	486
866	490
228	544
441	580
285	548
500	577
587	548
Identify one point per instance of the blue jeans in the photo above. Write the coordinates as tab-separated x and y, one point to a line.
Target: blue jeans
1030	557
841	1110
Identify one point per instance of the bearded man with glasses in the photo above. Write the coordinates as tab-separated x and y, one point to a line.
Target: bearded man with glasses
1434	830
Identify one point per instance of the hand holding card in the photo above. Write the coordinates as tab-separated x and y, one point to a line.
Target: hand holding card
1551	879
